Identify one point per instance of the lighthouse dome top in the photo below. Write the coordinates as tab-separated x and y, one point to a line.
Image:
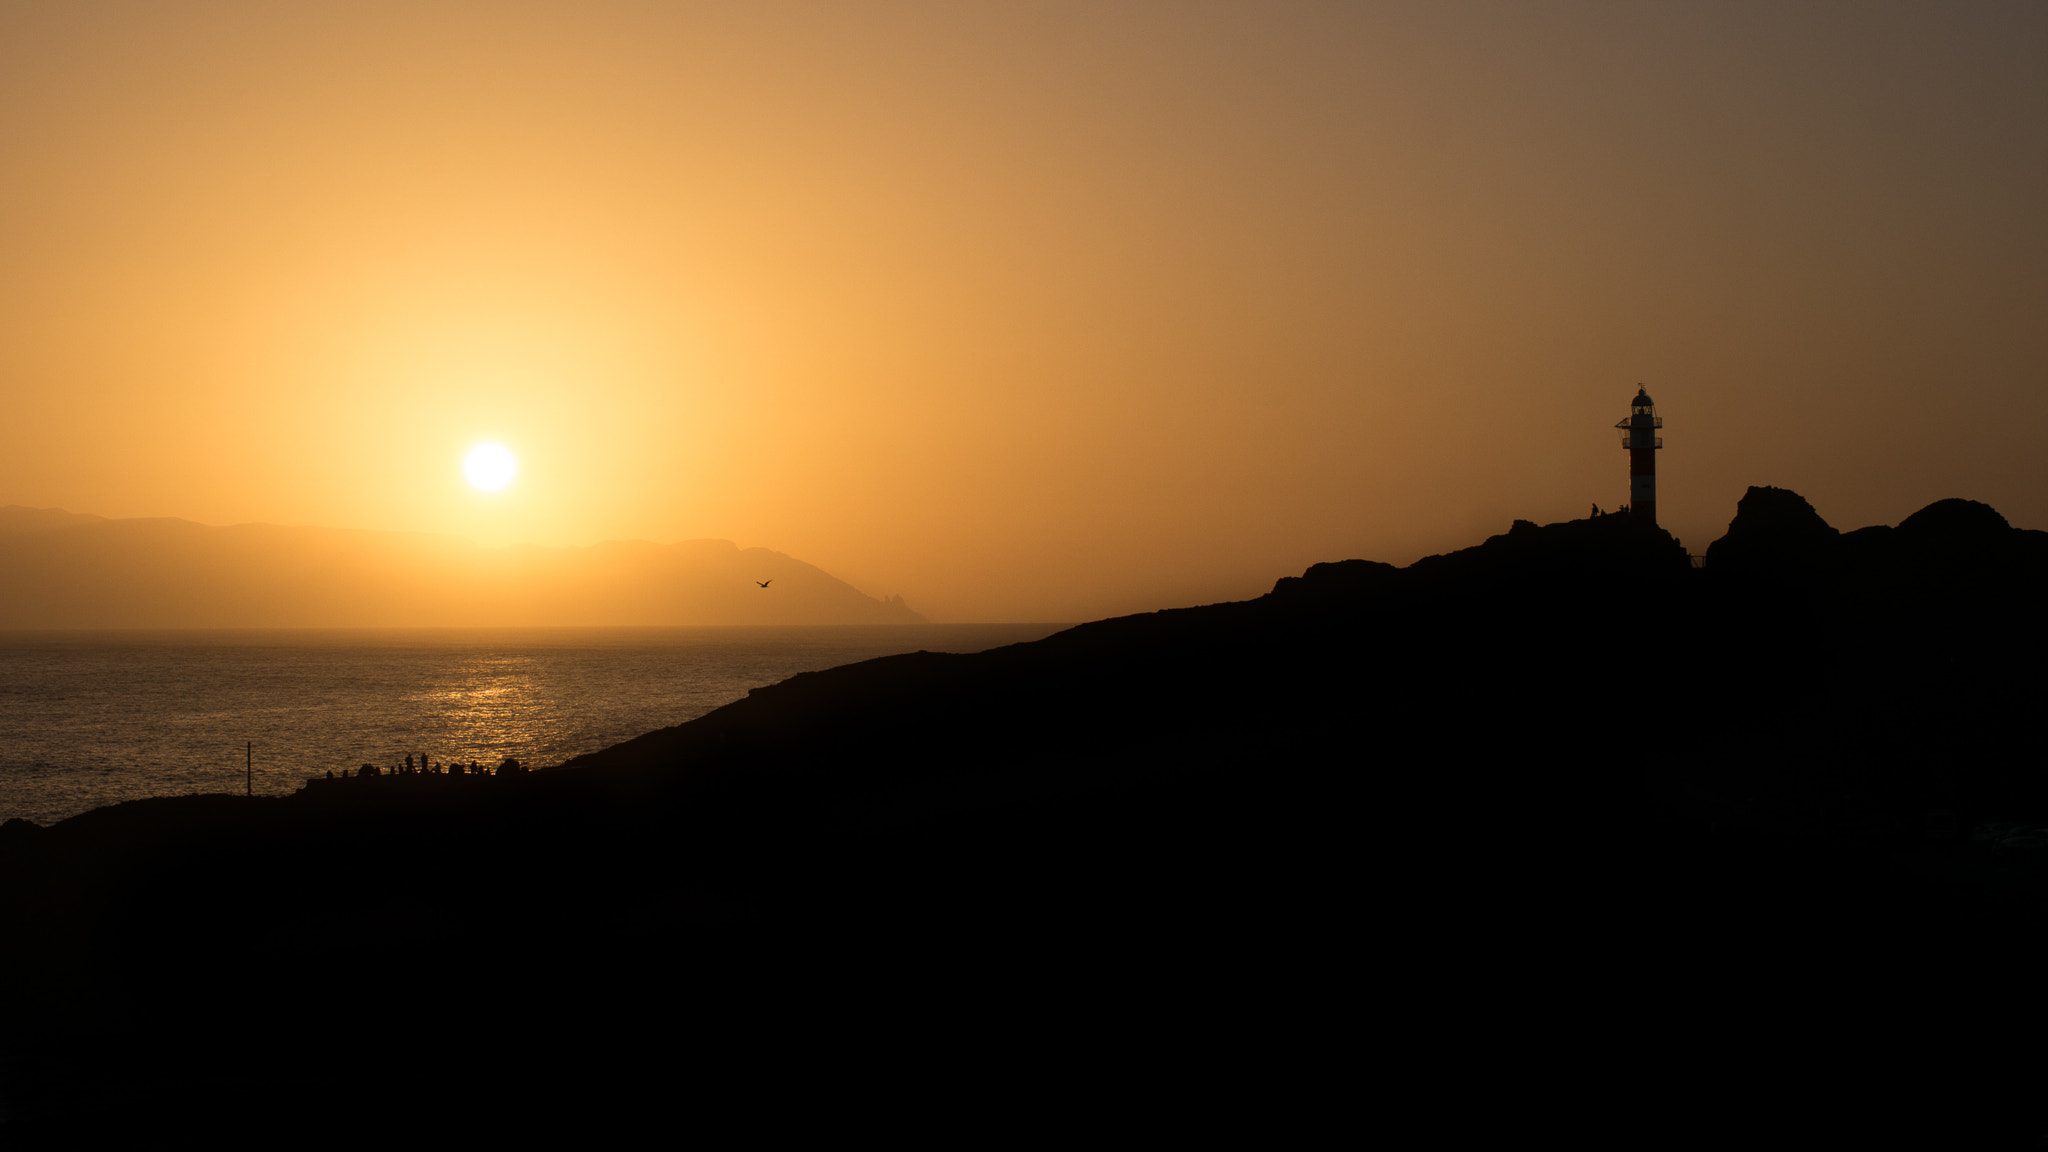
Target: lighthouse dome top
1642	399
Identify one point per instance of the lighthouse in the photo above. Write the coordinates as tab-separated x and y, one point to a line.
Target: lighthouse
1639	436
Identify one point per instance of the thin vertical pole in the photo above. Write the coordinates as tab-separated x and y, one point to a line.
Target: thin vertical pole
249	769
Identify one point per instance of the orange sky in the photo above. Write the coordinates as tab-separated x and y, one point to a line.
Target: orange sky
1023	311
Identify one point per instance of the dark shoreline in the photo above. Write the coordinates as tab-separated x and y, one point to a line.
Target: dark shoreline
1557	787
95	719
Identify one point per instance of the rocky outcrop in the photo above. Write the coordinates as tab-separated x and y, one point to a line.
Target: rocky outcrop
1775	532
1949	548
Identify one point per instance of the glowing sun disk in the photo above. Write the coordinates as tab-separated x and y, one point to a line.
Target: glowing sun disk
490	466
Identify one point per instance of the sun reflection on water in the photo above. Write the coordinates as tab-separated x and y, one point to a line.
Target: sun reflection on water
490	708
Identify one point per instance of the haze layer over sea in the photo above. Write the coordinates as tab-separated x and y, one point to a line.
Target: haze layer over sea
95	718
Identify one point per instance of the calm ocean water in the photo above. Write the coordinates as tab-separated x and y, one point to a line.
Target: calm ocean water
93	718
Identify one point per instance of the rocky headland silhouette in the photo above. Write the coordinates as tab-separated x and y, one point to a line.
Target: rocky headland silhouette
1561	789
69	570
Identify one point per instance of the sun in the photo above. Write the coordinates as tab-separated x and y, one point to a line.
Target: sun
490	467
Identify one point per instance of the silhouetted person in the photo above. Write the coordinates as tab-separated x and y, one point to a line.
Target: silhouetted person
408	764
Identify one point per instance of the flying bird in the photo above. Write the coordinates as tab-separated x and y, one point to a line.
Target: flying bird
765	583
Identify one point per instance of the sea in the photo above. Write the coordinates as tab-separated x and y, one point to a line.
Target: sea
95	718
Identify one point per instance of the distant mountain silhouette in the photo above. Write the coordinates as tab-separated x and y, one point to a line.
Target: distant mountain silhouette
1491	808
65	570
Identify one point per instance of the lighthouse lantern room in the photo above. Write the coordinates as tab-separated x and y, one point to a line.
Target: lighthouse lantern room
1639	436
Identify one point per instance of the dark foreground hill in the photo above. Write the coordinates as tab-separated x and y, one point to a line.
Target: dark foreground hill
1557	833
66	570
